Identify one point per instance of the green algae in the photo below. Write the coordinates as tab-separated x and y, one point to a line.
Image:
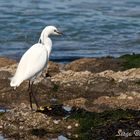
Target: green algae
94	125
92	119
55	88
130	61
2	113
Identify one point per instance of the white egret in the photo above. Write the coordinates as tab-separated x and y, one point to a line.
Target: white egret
34	60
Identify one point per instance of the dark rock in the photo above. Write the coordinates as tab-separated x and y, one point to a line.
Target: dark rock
53	69
95	64
5	75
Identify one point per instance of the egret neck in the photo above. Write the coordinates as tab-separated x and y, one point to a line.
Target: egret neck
47	43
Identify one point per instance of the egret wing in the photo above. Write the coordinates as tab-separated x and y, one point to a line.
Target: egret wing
32	62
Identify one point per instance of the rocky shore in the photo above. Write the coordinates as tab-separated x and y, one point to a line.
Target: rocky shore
100	92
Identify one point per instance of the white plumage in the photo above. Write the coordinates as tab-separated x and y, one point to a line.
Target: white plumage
31	64
34	60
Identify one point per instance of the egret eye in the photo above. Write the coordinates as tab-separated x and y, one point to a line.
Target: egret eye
55	31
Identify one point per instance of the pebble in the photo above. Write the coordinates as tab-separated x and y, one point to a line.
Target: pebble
138	96
122	96
56	121
76	135
69	127
135	93
76	125
130	97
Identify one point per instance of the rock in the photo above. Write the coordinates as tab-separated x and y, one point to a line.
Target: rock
122	96
131	74
6	61
124	101
22	121
78	102
72	84
130	97
76	125
9	68
53	68
69	127
90	85
71	87
93	85
5	75
95	64
56	121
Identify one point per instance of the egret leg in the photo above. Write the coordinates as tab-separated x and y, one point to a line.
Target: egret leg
34	96
30	97
29	86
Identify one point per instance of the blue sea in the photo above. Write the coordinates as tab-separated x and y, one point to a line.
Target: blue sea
92	28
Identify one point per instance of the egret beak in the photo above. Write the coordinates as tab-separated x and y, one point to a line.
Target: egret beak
59	33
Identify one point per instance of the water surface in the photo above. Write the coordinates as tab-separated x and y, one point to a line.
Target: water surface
92	28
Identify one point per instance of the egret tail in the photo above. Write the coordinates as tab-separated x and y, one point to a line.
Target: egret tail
14	82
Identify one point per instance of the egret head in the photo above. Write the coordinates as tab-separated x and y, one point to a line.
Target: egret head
49	30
